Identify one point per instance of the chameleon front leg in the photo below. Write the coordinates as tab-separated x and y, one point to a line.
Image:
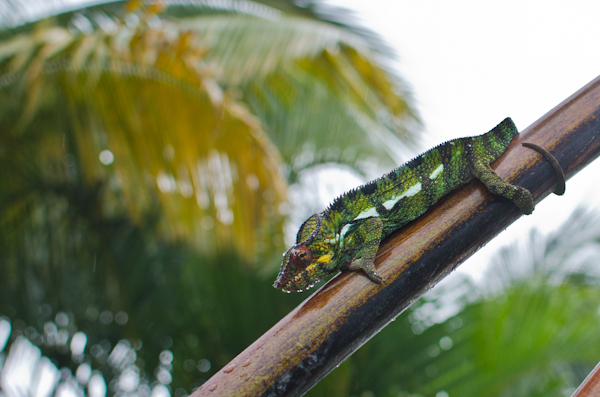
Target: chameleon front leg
496	185
370	232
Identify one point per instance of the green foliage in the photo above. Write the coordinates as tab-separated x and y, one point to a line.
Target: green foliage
316	89
147	157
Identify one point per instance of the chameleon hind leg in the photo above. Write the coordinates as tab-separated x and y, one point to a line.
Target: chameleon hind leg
370	232
496	185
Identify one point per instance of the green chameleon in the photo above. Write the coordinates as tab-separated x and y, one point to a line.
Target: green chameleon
347	234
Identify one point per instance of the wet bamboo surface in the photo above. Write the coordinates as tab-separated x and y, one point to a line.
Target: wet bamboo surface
346	312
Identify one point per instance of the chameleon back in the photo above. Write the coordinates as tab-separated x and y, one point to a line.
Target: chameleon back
408	191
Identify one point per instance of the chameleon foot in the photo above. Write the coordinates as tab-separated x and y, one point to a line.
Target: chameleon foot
518	195
368	268
561	184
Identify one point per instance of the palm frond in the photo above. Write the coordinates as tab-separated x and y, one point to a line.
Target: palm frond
251	46
169	131
565	255
346	107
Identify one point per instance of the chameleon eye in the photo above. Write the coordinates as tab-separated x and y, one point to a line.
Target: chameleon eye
301	253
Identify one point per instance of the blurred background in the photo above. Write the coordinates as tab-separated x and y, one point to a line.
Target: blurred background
156	159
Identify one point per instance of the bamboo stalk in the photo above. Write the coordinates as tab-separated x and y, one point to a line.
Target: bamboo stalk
346	312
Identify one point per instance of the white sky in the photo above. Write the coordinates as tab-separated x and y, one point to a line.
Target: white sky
472	63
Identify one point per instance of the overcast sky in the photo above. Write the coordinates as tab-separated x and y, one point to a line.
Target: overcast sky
472	63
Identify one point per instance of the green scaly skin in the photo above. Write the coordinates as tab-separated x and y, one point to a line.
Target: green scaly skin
348	233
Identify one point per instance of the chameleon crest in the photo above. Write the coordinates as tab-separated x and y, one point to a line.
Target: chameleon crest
347	234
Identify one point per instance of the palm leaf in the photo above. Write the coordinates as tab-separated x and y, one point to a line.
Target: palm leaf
346	108
170	129
318	104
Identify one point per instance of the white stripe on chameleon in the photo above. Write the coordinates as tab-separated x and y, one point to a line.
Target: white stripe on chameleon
408	193
368	213
437	171
344	231
372	212
333	240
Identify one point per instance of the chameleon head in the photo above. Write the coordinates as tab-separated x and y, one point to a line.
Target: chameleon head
295	270
303	264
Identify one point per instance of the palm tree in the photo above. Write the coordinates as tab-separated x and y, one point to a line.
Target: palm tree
149	153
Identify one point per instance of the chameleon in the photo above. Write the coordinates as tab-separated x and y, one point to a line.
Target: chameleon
347	234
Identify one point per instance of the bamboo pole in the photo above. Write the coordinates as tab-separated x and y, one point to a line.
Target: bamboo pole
346	312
